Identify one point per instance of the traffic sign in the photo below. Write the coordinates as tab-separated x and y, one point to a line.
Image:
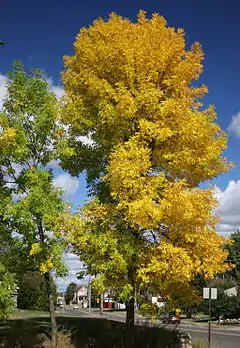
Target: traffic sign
210	293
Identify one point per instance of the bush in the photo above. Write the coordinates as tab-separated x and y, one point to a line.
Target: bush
148	309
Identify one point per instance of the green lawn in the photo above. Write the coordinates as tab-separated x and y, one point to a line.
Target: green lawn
22	314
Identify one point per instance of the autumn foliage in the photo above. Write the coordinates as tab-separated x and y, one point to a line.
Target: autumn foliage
130	87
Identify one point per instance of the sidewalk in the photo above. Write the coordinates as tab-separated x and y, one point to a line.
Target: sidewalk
187	322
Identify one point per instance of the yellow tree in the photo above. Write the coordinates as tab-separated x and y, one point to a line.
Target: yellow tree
129	87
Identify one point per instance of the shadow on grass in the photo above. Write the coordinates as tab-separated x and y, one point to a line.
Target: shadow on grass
111	310
84	332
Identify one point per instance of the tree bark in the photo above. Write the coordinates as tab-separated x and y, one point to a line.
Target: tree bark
101	304
51	309
130	313
131	303
49	291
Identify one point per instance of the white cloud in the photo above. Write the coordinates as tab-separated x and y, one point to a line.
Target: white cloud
58	90
234	126
67	183
75	266
228	208
54	164
86	140
3	88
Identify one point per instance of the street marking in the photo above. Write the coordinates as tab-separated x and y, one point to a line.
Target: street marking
215	332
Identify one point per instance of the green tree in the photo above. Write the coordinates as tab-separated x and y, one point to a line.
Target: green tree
8	274
70	292
28	141
224	306
234	255
32	292
7	287
129	86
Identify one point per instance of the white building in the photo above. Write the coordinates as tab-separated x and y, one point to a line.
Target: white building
231	292
81	296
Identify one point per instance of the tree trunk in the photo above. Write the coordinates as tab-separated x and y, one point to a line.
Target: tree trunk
101	304
51	309
130	313
131	303
49	290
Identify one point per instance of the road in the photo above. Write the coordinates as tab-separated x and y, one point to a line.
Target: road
221	337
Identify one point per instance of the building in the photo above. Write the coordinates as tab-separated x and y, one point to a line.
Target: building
108	301
231	292
158	300
81	296
60	300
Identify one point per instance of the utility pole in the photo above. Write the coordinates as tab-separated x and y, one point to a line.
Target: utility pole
89	296
101	304
209	320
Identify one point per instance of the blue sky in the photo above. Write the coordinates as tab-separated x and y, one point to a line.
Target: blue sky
40	33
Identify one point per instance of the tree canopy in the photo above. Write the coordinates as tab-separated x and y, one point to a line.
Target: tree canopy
234	255
28	142
130	88
69	296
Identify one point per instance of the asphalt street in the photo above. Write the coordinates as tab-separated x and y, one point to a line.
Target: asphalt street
221	337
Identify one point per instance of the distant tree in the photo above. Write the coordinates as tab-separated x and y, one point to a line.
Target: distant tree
234	255
32	292
190	307
221	283
70	292
224	306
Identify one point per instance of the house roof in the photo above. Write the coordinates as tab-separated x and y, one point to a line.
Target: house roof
81	286
61	294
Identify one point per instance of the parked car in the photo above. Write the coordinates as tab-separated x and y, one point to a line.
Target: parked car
171	318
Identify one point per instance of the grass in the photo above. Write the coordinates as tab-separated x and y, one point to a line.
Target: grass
32	332
22	314
201	344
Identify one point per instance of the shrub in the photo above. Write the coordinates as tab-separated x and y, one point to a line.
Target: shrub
148	309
